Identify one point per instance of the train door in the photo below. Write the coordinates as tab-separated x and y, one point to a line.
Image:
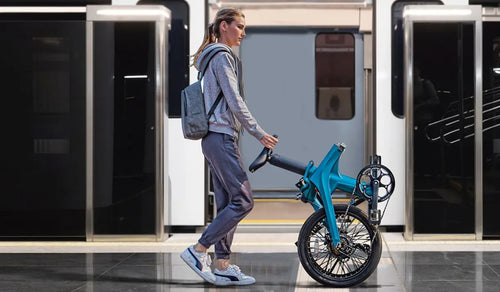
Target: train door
443	90
491	130
306	86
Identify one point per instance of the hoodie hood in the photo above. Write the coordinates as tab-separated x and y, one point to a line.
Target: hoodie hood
202	59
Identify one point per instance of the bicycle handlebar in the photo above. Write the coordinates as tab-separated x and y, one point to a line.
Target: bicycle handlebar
276	160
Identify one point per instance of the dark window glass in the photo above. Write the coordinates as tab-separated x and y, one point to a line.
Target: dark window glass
42	77
124	128
397	100
443	124
178	53
334	64
491	128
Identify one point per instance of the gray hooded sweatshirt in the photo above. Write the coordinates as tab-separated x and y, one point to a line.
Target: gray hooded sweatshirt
232	112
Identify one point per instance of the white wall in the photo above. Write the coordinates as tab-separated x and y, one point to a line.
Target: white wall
390	130
187	172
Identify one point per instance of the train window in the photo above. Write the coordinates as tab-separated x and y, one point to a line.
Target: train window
334	65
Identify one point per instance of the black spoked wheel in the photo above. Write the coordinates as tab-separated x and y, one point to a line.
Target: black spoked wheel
352	262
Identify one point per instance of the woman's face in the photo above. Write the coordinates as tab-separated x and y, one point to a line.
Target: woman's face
232	34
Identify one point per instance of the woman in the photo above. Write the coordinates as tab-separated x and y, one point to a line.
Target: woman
232	191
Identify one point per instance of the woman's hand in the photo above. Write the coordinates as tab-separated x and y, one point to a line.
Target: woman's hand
268	141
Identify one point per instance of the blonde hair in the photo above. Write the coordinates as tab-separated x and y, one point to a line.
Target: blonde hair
212	33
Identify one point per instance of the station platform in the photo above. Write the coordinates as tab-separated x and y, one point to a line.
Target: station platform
269	257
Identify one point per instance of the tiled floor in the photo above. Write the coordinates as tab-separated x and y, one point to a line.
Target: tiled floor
270	258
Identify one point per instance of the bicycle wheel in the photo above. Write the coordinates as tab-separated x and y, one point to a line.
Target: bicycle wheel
349	265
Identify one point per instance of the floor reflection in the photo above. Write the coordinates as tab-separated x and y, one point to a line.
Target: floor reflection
448	271
397	271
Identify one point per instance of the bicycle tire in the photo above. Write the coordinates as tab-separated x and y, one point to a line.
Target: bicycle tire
358	237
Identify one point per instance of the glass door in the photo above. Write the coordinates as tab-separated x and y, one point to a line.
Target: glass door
42	81
126	87
491	129
442	94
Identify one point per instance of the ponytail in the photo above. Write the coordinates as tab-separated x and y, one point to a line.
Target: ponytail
207	39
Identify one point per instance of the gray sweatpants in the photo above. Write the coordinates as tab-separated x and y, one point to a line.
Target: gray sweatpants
233	194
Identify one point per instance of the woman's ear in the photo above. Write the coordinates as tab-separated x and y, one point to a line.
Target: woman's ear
223	26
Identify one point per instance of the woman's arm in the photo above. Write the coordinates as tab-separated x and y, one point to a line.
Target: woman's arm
226	77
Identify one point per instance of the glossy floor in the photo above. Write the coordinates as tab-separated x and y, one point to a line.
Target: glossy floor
270	258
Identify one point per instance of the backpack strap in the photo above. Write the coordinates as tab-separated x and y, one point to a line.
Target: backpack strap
216	102
212	54
204	68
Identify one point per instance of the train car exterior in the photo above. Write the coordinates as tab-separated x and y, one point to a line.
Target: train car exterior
414	81
375	57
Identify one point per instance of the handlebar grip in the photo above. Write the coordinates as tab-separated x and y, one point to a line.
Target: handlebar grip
288	164
261	159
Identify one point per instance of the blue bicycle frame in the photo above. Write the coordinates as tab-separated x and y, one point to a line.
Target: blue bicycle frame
325	179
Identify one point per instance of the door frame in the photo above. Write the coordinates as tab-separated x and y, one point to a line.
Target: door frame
443	14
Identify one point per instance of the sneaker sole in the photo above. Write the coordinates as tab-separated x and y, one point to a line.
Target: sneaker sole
191	262
232	283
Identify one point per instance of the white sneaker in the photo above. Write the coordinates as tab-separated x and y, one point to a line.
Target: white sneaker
200	263
232	276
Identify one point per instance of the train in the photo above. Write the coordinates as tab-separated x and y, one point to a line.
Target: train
403	79
99	151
